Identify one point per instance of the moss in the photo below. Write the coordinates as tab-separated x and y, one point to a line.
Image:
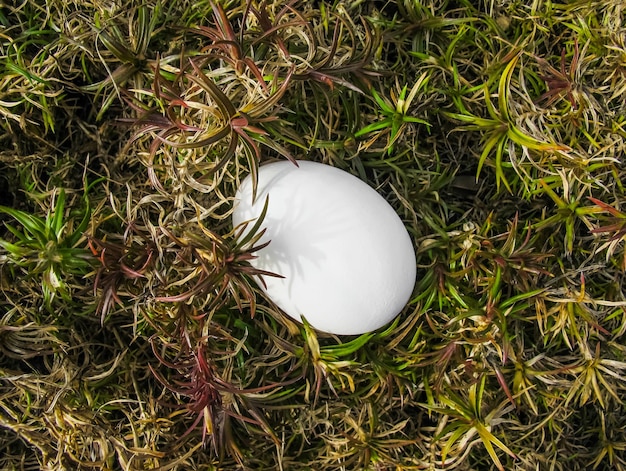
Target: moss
496	130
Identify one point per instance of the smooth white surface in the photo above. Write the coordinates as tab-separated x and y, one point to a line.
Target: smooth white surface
347	259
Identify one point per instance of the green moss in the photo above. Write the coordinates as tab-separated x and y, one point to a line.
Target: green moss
131	335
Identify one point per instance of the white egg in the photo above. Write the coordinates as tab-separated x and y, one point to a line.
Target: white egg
347	260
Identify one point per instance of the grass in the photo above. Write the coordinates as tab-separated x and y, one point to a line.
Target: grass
131	334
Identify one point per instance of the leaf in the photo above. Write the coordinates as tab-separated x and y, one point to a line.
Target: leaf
56	223
250	234
488	146
35	226
223	102
385	123
347	348
384	106
460	431
422	81
499	172
504	89
15	250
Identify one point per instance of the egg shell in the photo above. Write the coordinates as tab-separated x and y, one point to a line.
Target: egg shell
347	260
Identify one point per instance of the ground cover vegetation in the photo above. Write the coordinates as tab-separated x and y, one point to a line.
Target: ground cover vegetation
132	335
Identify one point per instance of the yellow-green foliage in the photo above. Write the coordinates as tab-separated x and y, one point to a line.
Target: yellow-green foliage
131	333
